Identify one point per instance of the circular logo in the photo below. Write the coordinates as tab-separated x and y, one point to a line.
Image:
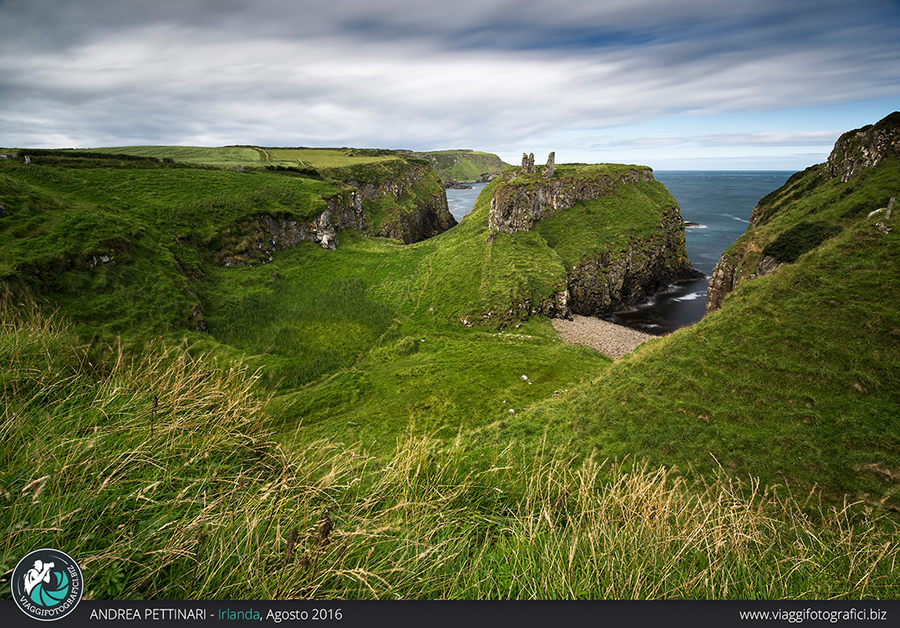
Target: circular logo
47	584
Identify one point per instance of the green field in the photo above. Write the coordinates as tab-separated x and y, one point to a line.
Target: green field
752	455
254	156
221	156
465	165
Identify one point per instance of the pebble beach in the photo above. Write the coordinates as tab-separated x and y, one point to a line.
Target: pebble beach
607	338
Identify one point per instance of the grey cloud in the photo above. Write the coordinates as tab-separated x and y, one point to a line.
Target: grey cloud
416	74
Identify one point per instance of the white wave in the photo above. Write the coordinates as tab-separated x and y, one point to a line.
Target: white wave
693	296
746	222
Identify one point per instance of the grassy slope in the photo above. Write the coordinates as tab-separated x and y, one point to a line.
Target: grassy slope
465	165
793	394
157	224
399	358
255	156
793	381
198	155
189	500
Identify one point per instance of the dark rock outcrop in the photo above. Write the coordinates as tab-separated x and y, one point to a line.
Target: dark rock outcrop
864	148
431	219
607	279
415	192
516	207
721	282
419	196
609	282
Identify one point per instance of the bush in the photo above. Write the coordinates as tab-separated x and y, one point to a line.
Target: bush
802	237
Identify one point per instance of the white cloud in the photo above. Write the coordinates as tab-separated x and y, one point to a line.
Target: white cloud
498	75
772	138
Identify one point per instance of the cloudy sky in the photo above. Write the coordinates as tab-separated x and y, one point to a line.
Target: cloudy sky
755	84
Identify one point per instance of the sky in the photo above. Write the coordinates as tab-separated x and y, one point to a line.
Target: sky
695	84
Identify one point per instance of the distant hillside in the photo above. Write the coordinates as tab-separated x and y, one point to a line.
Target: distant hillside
465	166
254	156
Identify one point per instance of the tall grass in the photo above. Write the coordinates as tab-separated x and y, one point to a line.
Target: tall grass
157	476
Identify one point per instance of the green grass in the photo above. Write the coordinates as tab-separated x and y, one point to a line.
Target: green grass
188	499
793	381
808	197
328	157
219	156
254	156
753	455
465	165
608	223
157	227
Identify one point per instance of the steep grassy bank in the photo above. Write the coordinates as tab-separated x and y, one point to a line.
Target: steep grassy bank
793	380
188	499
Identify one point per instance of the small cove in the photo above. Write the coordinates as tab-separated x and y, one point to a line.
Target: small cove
719	201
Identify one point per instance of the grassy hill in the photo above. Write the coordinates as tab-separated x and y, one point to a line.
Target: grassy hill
384	382
794	380
465	165
254	156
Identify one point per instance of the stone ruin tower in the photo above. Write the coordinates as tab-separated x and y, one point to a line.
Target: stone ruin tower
527	163
528	166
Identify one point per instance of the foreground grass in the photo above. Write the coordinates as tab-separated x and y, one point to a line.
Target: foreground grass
187	497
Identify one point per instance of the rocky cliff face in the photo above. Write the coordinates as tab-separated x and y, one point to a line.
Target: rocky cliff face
608	282
413	193
870	147
415	197
864	148
420	198
517	206
603	275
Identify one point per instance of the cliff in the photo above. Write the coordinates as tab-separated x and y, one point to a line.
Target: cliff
111	235
402	199
613	235
860	177
864	148
464	166
525	200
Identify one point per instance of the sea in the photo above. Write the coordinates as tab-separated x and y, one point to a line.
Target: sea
719	201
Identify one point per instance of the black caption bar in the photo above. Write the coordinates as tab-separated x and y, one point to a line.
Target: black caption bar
463	614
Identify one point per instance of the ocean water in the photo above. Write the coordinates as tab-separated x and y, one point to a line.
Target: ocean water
461	202
719	201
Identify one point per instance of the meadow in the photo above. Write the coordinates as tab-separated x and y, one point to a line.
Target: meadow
191	499
753	455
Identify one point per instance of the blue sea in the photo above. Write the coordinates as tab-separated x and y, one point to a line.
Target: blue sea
461	202
719	201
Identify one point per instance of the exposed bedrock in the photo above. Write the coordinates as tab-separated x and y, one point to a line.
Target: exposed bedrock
610	282
606	279
516	207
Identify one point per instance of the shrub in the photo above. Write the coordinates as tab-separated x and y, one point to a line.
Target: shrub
802	237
